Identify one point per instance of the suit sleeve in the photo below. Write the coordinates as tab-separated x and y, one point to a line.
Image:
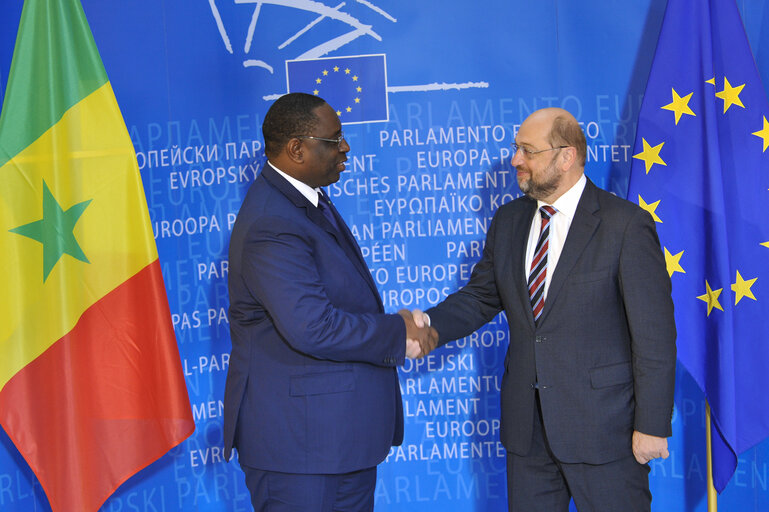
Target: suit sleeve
280	270
646	290
478	302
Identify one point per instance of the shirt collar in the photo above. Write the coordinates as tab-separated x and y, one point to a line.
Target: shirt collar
567	203
307	191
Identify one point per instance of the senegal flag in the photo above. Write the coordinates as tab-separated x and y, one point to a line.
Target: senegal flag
91	387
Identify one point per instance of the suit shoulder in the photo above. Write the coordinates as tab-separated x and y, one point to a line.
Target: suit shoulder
263	198
515	207
265	208
618	205
620	212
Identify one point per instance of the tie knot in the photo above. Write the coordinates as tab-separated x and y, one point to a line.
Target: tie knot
547	211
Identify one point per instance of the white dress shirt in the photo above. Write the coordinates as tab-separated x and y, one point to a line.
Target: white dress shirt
565	207
307	191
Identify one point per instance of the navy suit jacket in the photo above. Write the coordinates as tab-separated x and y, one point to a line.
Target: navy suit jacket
603	353
312	385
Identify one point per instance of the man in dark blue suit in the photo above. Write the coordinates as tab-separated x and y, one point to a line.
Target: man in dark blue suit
312	401
587	389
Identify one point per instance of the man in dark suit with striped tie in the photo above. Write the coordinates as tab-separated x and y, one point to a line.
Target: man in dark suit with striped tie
587	392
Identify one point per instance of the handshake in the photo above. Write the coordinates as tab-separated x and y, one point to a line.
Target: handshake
421	339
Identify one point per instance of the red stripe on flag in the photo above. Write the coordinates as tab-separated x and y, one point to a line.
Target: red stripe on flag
105	400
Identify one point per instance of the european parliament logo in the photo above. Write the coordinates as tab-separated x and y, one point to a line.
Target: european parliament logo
355	86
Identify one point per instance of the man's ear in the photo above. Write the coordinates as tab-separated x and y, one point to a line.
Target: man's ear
568	158
294	150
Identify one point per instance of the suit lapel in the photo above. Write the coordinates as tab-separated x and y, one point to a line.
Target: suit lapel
521	225
345	240
583	226
296	197
350	246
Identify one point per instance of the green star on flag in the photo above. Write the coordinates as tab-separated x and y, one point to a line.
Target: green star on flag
55	231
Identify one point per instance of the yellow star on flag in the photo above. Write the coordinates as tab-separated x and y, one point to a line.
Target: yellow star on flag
325	72
741	288
318	80
730	95
336	69
764	134
338	112
316	92
680	105
349	109
650	207
650	155
711	297
357	100
347	71
712	81
673	262
765	244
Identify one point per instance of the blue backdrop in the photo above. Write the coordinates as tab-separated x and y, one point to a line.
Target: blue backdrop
444	91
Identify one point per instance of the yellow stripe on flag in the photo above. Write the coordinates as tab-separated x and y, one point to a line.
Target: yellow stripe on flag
87	155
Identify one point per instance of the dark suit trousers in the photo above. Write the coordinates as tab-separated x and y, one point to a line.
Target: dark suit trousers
539	482
291	492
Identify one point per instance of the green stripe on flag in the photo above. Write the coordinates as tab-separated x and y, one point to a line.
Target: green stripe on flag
31	106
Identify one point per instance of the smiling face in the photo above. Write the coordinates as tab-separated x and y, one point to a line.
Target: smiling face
324	160
546	162
538	179
538	172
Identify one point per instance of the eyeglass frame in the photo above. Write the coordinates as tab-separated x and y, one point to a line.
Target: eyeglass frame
528	153
337	141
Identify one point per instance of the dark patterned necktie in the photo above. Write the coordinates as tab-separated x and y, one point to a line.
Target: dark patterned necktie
325	207
538	270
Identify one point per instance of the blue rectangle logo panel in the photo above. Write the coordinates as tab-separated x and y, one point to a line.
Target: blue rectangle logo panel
355	86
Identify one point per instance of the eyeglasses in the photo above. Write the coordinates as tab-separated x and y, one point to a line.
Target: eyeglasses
337	141
528	153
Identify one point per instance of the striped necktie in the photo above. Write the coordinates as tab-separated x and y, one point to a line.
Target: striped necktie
538	270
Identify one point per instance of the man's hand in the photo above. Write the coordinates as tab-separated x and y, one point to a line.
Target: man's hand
646	447
420	339
413	349
420	318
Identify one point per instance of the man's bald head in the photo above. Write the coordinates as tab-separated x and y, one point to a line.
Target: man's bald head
564	130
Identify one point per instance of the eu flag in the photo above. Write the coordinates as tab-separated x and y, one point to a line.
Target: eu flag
701	168
356	87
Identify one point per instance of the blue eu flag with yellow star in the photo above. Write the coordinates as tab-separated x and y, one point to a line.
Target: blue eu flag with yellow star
356	87
701	168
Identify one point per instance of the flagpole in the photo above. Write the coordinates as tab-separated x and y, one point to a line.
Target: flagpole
712	495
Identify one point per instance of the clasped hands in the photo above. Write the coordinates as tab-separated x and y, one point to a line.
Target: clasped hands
421	339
